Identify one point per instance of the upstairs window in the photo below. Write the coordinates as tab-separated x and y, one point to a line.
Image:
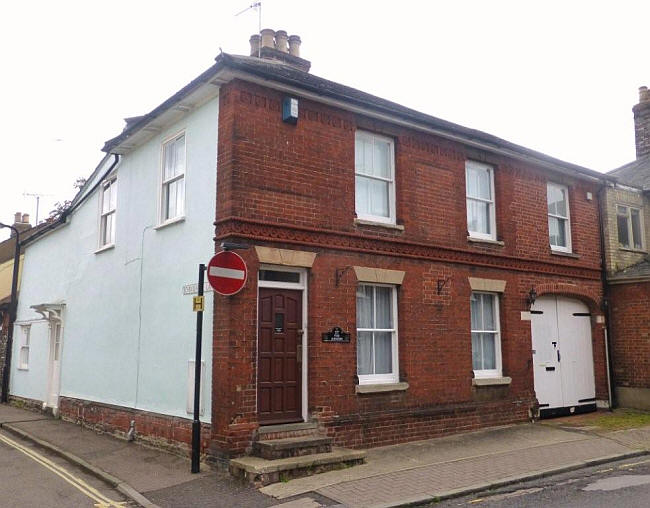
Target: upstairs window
559	226
374	169
479	185
486	338
107	215
628	220
173	179
377	334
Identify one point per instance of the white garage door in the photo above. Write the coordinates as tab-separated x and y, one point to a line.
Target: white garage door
562	355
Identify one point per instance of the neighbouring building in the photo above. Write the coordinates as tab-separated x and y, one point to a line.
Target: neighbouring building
407	277
7	253
627	230
105	301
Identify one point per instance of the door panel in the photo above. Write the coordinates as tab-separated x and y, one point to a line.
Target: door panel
577	355
563	357
279	367
546	367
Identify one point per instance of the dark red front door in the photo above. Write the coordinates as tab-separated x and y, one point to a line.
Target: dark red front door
279	359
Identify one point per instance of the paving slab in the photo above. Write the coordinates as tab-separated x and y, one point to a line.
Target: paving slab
9	414
144	468
443	479
405	456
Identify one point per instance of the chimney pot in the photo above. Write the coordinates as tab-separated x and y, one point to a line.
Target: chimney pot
281	40
255	44
644	96
294	45
25	218
267	38
17	217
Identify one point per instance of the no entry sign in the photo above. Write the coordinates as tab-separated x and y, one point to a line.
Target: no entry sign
227	273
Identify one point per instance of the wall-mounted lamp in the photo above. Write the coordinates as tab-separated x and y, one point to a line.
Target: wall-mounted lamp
532	296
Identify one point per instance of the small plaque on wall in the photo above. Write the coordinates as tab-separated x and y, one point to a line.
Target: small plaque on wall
336	335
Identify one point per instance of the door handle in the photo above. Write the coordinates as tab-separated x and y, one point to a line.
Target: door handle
558	355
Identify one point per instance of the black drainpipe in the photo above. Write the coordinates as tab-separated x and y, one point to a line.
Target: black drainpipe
606	297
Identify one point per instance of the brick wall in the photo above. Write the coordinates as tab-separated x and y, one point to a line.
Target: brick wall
293	187
631	329
619	258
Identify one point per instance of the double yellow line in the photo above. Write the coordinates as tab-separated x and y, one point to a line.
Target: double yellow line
101	501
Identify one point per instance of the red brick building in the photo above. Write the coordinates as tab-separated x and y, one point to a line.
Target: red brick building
425	241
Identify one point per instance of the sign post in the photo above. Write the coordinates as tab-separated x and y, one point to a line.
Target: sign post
196	423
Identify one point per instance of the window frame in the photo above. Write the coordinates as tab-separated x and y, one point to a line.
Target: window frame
164	184
491	202
560	248
630	228
498	371
392	205
25	342
112	183
393	377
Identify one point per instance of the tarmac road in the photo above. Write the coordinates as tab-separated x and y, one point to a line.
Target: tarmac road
32	477
622	484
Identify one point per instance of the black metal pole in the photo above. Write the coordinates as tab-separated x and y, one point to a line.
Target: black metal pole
13	306
196	424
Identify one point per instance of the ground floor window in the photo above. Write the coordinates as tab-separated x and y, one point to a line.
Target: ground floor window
25	330
377	334
486	341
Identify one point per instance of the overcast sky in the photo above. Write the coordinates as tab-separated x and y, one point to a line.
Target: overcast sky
560	77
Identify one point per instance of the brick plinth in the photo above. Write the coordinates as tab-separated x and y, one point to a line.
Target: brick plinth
168	432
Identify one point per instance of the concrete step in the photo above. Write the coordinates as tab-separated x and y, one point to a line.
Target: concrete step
260	472
274	449
286	430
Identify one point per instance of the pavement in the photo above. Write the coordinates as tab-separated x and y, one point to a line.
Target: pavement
417	472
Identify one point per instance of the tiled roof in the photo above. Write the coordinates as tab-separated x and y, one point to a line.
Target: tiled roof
635	173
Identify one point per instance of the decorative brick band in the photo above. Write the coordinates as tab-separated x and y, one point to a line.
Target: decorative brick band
354	242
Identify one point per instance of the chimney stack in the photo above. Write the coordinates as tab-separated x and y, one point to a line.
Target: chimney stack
642	123
21	222
272	45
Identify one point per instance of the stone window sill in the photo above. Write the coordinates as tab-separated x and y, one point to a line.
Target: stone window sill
388	387
473	239
564	254
636	251
491	381
364	222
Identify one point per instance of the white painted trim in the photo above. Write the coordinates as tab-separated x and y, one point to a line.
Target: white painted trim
491	373
492	203
559	248
301	285
392	205
161	169
393	377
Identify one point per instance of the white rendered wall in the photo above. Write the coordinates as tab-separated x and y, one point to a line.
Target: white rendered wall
128	329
